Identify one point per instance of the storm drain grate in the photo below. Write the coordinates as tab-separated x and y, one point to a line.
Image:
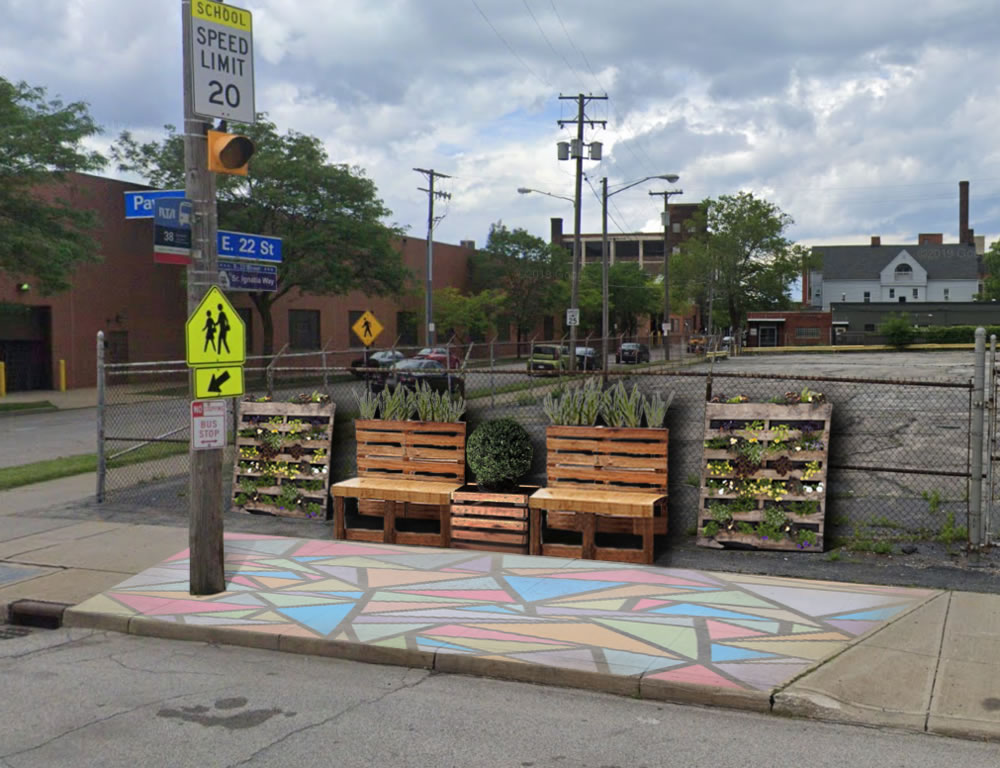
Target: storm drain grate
9	633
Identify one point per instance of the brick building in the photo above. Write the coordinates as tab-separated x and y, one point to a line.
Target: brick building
789	328
142	306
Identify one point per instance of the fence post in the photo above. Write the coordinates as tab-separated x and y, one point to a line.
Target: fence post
493	384
269	371
976	487
101	464
991	424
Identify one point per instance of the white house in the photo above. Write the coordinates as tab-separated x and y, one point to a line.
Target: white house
901	274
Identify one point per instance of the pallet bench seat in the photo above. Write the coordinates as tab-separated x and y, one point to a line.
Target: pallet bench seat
406	470
602	480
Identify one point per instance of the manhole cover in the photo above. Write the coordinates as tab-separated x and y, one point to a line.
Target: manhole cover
9	633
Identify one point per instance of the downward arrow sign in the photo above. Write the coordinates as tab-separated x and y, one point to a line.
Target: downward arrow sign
215	385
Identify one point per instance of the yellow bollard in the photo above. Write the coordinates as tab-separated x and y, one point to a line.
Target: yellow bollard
62	375
3	379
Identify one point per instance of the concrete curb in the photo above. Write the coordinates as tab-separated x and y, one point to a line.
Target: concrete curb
688	693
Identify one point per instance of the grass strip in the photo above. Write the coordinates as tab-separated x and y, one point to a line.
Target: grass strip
29	405
67	466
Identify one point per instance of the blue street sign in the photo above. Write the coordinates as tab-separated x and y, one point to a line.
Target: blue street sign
139	205
172	230
239	245
247	276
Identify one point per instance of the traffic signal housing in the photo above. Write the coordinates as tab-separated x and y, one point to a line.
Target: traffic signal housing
229	152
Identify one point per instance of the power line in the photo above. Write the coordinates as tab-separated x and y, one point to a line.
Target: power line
549	43
511	49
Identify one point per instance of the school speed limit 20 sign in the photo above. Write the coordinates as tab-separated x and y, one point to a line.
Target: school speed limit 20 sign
222	61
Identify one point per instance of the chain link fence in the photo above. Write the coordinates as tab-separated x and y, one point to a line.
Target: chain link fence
899	450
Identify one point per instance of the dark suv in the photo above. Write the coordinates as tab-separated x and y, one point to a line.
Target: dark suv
631	352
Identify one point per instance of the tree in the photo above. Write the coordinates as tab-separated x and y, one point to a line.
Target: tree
474	315
898	330
40	236
328	215
632	293
739	258
991	284
530	272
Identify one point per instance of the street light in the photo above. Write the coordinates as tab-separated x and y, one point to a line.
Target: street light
526	190
671	177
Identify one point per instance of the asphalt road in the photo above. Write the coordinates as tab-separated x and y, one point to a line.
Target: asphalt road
76	698
34	437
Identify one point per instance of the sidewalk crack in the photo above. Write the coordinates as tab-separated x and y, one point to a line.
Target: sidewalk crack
937	666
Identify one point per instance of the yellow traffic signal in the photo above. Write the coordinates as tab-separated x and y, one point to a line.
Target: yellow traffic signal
229	152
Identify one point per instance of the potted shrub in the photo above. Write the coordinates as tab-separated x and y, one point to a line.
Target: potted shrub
492	514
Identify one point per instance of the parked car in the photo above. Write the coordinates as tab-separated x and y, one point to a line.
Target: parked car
631	352
384	358
410	373
548	360
586	359
440	354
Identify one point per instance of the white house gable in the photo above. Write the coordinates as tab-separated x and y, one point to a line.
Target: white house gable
903	271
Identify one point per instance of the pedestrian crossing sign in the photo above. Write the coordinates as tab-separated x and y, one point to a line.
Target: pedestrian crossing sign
214	335
367	328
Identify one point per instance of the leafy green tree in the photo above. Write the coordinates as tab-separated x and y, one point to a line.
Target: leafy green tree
531	273
473	315
329	215
740	259
41	237
632	293
991	285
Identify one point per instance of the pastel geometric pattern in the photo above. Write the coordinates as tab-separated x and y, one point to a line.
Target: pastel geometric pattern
719	630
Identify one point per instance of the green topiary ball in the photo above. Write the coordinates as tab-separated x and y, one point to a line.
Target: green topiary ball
499	453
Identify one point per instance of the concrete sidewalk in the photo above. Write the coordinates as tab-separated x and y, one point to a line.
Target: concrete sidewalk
922	660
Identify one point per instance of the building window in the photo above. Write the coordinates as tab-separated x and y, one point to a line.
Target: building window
946	294
303	328
869	327
892	293
246	315
677	226
843	297
868	297
916	293
904	272
503	328
807	333
675	250
406	327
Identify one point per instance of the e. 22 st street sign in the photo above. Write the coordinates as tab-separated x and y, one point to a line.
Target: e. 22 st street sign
240	245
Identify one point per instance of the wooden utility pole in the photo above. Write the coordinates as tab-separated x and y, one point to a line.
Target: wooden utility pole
205	521
430	330
577	153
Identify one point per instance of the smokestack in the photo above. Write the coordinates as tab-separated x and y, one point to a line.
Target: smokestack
876	240
555	231
963	213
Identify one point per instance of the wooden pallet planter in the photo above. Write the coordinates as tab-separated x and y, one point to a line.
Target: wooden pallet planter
791	478
302	462
490	521
407	470
601	481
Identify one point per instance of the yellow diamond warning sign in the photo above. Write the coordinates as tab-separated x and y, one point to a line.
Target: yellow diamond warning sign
214	334
367	328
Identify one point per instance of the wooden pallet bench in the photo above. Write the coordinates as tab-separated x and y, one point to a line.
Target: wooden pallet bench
406	470
602	480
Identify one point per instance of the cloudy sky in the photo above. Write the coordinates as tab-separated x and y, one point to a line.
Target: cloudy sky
855	117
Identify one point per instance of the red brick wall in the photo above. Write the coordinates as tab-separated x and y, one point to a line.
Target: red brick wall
128	292
787	330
